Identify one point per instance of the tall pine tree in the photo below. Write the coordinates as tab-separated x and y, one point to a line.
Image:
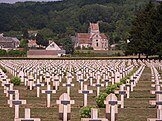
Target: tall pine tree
142	38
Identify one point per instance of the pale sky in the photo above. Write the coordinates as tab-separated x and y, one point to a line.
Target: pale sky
13	1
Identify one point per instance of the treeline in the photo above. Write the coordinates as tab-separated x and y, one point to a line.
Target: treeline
146	32
64	18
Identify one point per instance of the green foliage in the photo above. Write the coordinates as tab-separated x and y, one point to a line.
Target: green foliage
47	33
12	53
90	53
41	41
16	81
78	48
146	31
85	112
111	88
69	16
12	33
67	44
16	53
25	34
100	100
3	53
24	44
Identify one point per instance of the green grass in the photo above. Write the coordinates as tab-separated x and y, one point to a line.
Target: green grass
137	108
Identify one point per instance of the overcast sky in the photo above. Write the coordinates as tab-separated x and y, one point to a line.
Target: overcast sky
13	1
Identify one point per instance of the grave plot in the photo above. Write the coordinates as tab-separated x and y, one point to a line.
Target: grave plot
137	107
43	82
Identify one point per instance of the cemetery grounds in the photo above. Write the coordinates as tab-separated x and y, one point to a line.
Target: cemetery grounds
137	107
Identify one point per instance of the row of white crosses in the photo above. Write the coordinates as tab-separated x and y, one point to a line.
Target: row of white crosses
8	89
68	85
158	102
64	104
84	90
112	102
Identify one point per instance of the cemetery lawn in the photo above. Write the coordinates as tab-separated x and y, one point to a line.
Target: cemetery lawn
137	107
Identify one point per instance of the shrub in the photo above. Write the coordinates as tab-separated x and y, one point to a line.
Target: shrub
3	52
111	88
100	100
85	112
16	80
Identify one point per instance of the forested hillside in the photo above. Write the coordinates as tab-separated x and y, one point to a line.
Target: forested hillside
69	16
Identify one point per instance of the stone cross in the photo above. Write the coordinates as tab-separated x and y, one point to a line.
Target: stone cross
47	80
17	102
6	85
30	82
91	79
117	77
112	78
48	92
79	75
69	77
98	85
21	75
68	85
85	92
157	86
94	116
41	76
111	107
121	92
106	80
81	83
25	79
27	116
11	92
158	103
132	83
128	86
56	82
38	85
64	106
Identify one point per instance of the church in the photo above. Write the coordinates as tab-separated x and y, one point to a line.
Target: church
94	39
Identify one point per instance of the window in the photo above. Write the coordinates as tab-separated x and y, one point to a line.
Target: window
96	40
97	44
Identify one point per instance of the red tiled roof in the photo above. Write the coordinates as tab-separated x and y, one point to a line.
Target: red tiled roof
32	41
84	38
83	35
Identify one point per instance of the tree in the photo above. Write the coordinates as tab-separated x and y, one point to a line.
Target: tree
142	35
41	41
24	44
158	30
25	34
67	44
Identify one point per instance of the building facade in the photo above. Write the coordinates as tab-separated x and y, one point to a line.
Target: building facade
94	39
8	43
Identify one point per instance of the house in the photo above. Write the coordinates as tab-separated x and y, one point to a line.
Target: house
53	46
32	43
94	39
8	43
53	50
